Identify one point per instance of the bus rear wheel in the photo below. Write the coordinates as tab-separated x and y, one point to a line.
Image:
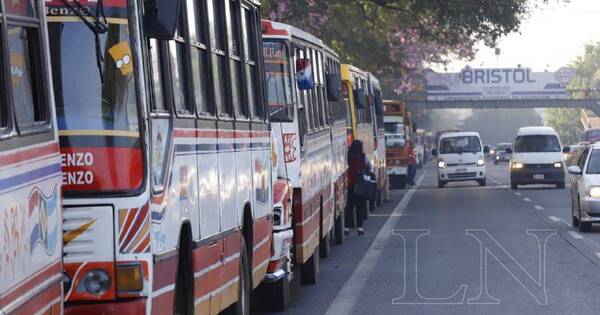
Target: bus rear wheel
339	229
310	269
183	303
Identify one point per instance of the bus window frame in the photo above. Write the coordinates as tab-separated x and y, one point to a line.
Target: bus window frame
201	42
6	124
40	74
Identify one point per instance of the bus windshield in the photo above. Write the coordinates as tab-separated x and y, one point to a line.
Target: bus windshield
93	92
395	135
279	81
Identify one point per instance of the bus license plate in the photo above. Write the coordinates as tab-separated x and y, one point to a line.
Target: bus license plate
538	176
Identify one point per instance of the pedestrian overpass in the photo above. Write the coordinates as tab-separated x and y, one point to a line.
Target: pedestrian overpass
501	88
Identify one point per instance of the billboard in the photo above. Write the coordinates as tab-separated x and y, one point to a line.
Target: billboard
473	84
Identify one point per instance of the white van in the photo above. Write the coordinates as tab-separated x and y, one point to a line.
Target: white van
537	158
460	157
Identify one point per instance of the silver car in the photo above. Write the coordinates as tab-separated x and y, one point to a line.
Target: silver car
585	188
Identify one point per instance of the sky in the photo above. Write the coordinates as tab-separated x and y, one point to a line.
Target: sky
552	37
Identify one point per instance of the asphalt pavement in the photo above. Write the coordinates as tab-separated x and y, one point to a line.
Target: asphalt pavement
463	249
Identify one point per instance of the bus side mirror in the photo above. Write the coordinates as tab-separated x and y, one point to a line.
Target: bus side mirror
509	151
566	150
486	149
304	74
333	87
360	98
160	18
434	152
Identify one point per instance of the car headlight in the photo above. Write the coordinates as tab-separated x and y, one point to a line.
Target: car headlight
480	162
517	165
558	165
442	164
492	152
95	282
497	157
593	192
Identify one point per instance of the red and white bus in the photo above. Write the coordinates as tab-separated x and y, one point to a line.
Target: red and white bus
30	192
309	122
166	149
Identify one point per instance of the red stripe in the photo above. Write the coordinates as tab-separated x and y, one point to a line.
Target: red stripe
136	225
130	216
144	245
31	282
161	305
41	301
28	154
164	272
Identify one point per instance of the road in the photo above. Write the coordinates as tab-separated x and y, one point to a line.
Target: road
462	250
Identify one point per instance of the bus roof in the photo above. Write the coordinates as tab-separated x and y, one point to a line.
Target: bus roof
348	69
272	29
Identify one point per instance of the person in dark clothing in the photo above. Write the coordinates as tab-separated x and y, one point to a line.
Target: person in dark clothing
356	207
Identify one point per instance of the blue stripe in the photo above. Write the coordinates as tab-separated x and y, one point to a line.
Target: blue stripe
26	177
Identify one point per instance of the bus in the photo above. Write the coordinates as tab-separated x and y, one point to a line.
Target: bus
375	99
30	163
362	93
309	122
168	172
399	140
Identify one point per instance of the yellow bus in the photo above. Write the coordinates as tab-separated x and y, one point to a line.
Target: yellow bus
362	99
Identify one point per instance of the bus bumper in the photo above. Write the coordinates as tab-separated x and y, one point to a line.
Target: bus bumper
397	170
282	242
133	306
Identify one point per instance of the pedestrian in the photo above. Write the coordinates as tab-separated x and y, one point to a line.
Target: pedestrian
356	207
412	167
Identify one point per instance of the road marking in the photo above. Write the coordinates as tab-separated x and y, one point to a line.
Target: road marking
517	193
527	199
393	214
575	235
538	207
598	254
553	218
349	294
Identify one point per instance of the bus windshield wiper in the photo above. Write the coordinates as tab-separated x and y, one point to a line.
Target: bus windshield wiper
98	26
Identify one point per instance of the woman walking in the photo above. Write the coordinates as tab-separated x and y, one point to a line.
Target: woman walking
356	207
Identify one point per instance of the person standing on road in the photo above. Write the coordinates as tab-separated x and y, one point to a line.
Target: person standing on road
412	167
356	207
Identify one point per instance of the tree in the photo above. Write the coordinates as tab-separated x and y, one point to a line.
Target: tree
566	122
396	38
500	125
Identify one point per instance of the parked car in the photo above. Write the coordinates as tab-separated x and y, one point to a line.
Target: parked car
585	188
460	157
537	158
500	154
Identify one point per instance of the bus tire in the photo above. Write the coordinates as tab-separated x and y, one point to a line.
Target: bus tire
242	306
379	198
338	230
183	303
310	270
325	247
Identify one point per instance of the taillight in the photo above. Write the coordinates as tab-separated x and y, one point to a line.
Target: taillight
129	278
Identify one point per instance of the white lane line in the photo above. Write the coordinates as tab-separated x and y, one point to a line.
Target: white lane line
553	218
517	193
527	199
538	207
349	294
598	254
575	235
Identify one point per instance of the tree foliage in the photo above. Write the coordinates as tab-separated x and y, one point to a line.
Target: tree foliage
566	122
397	38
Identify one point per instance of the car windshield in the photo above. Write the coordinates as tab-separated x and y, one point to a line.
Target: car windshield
460	144
279	81
537	143
92	93
394	128
502	147
593	166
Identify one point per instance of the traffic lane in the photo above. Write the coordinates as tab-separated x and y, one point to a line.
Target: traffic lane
449	258
337	268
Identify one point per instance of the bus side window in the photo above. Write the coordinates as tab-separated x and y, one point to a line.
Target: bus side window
28	97
180	67
159	104
199	55
219	58
249	43
3	72
235	61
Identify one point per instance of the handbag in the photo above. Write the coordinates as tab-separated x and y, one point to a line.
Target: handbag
366	186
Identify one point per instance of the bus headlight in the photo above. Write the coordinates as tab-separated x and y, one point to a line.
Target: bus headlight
517	165
480	162
442	164
95	282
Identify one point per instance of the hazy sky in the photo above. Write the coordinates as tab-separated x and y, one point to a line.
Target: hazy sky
553	36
